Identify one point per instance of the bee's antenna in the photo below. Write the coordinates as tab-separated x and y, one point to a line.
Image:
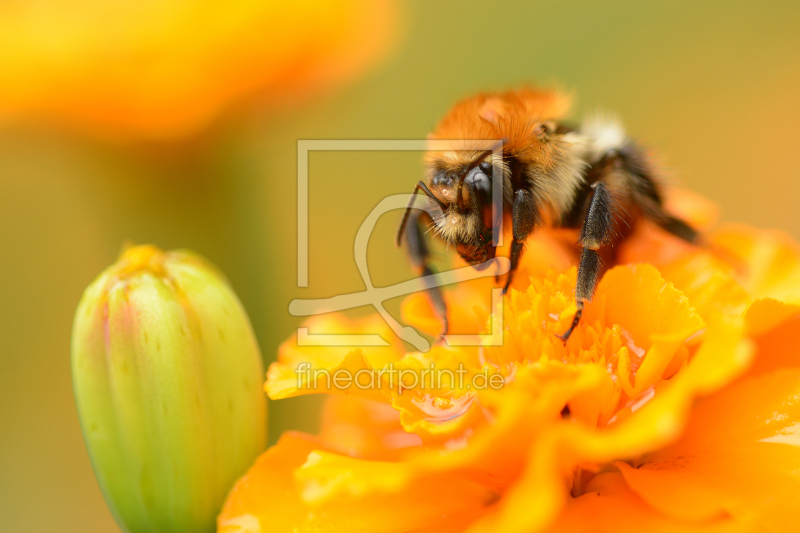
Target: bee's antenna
420	186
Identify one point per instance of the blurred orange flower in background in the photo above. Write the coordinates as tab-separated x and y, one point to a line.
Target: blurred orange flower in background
166	69
673	406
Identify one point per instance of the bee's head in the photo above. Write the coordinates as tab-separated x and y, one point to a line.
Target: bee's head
463	191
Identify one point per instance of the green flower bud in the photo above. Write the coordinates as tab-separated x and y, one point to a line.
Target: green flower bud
168	383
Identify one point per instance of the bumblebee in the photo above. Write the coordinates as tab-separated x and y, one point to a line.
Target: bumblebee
591	177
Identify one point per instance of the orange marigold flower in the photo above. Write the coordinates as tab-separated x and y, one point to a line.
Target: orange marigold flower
673	406
164	69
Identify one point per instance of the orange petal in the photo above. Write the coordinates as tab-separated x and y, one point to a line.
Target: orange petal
766	314
652	311
771	261
779	347
557	452
417	311
648	243
268	499
352	374
462	317
268	485
609	506
723	356
679	498
740	455
364	428
327	477
495	454
433	392
310	369
455	524
708	282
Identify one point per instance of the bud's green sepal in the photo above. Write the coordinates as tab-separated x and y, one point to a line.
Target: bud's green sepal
168	382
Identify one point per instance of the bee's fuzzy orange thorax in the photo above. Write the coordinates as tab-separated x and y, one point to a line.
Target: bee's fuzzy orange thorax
512	116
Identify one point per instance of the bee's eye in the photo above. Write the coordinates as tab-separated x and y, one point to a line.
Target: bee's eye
478	181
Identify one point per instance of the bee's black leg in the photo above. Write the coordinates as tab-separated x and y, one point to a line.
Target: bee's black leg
679	228
419	255
598	229
525	217
647	195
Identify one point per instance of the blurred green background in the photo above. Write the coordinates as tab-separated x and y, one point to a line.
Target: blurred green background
712	85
